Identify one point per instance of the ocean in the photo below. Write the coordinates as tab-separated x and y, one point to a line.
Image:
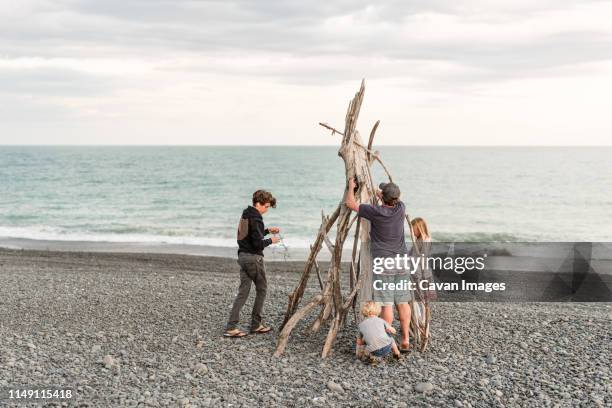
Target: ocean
194	195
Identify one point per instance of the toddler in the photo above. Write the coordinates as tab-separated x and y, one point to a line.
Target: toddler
374	333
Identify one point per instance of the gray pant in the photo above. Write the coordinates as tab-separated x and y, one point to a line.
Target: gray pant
252	269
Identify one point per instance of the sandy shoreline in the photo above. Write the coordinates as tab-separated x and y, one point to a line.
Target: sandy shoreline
160	318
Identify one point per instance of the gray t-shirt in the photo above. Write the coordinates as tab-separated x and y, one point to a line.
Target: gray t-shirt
373	332
386	231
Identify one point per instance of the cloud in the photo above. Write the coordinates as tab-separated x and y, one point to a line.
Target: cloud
84	55
510	37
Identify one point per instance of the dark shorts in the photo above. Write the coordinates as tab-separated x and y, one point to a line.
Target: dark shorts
381	352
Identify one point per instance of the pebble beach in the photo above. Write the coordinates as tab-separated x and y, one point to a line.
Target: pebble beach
124	329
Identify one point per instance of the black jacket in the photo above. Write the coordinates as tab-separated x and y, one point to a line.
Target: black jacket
251	232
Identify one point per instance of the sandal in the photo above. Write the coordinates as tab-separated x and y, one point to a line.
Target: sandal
234	333
404	349
261	329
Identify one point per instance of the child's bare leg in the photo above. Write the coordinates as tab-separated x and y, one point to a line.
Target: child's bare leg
360	348
395	349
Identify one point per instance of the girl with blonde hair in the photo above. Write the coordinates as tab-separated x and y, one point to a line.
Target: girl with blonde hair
423	247
420	230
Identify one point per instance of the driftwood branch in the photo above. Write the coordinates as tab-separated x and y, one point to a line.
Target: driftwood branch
334	130
379	160
283	338
328	243
371	154
296	295
316	265
371	140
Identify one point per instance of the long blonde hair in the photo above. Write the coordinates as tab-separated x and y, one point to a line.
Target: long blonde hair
419	224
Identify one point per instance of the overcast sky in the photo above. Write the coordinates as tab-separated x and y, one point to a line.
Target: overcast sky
266	72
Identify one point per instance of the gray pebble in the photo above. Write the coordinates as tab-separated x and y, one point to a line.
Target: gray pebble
200	369
332	386
423	387
109	362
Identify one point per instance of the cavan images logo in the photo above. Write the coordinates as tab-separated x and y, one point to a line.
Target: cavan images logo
405	264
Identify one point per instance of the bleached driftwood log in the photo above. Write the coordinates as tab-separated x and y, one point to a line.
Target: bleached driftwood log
334	304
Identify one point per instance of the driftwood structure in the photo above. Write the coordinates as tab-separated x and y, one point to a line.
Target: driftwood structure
332	303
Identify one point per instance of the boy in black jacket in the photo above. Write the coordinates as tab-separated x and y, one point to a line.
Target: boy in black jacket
251	242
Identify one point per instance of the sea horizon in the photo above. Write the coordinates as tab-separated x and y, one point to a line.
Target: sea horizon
192	196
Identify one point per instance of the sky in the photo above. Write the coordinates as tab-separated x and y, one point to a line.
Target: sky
238	72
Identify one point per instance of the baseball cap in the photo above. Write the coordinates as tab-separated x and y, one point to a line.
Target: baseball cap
390	191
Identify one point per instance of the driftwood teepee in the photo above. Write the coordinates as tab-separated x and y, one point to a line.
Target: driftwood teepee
333	304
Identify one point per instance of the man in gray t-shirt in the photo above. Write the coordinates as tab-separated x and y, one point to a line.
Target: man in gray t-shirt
386	228
387	240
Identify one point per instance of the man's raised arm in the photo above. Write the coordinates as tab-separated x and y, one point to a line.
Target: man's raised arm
350	196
